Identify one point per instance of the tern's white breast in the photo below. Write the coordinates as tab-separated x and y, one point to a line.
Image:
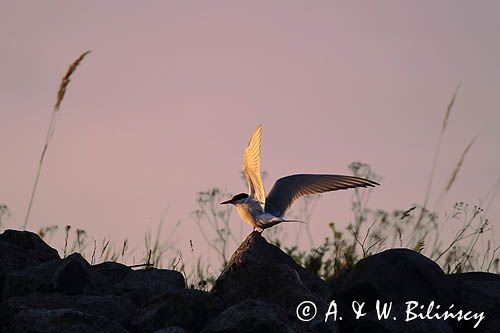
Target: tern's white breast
249	211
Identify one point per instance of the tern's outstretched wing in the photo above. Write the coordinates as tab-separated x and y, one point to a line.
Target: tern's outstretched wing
251	167
287	189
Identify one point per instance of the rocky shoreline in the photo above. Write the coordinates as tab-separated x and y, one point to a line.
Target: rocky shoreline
259	291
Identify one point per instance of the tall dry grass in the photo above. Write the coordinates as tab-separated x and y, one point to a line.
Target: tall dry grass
52	126
437	150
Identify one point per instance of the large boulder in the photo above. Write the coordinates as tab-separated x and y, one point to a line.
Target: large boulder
278	284
20	249
261	271
398	276
256	251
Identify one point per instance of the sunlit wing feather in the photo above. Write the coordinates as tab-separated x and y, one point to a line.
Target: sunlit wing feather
288	189
251	167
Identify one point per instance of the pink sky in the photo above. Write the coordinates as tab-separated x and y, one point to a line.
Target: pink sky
164	105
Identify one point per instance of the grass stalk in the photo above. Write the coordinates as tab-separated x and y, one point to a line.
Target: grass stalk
436	154
50	131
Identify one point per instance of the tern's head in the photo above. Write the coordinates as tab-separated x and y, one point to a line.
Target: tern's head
238	198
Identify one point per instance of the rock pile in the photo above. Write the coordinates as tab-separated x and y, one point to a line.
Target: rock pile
259	291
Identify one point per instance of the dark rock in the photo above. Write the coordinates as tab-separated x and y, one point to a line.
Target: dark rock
115	308
68	276
112	272
260	271
492	325
481	294
143	285
277	284
21	249
254	316
473	276
335	283
397	275
171	329
188	309
256	251
73	276
29	243
61	321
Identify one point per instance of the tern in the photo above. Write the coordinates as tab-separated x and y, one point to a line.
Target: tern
263	212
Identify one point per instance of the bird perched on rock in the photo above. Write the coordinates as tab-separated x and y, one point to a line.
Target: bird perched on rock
262	212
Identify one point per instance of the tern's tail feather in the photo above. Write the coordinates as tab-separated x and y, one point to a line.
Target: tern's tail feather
293	221
275	221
